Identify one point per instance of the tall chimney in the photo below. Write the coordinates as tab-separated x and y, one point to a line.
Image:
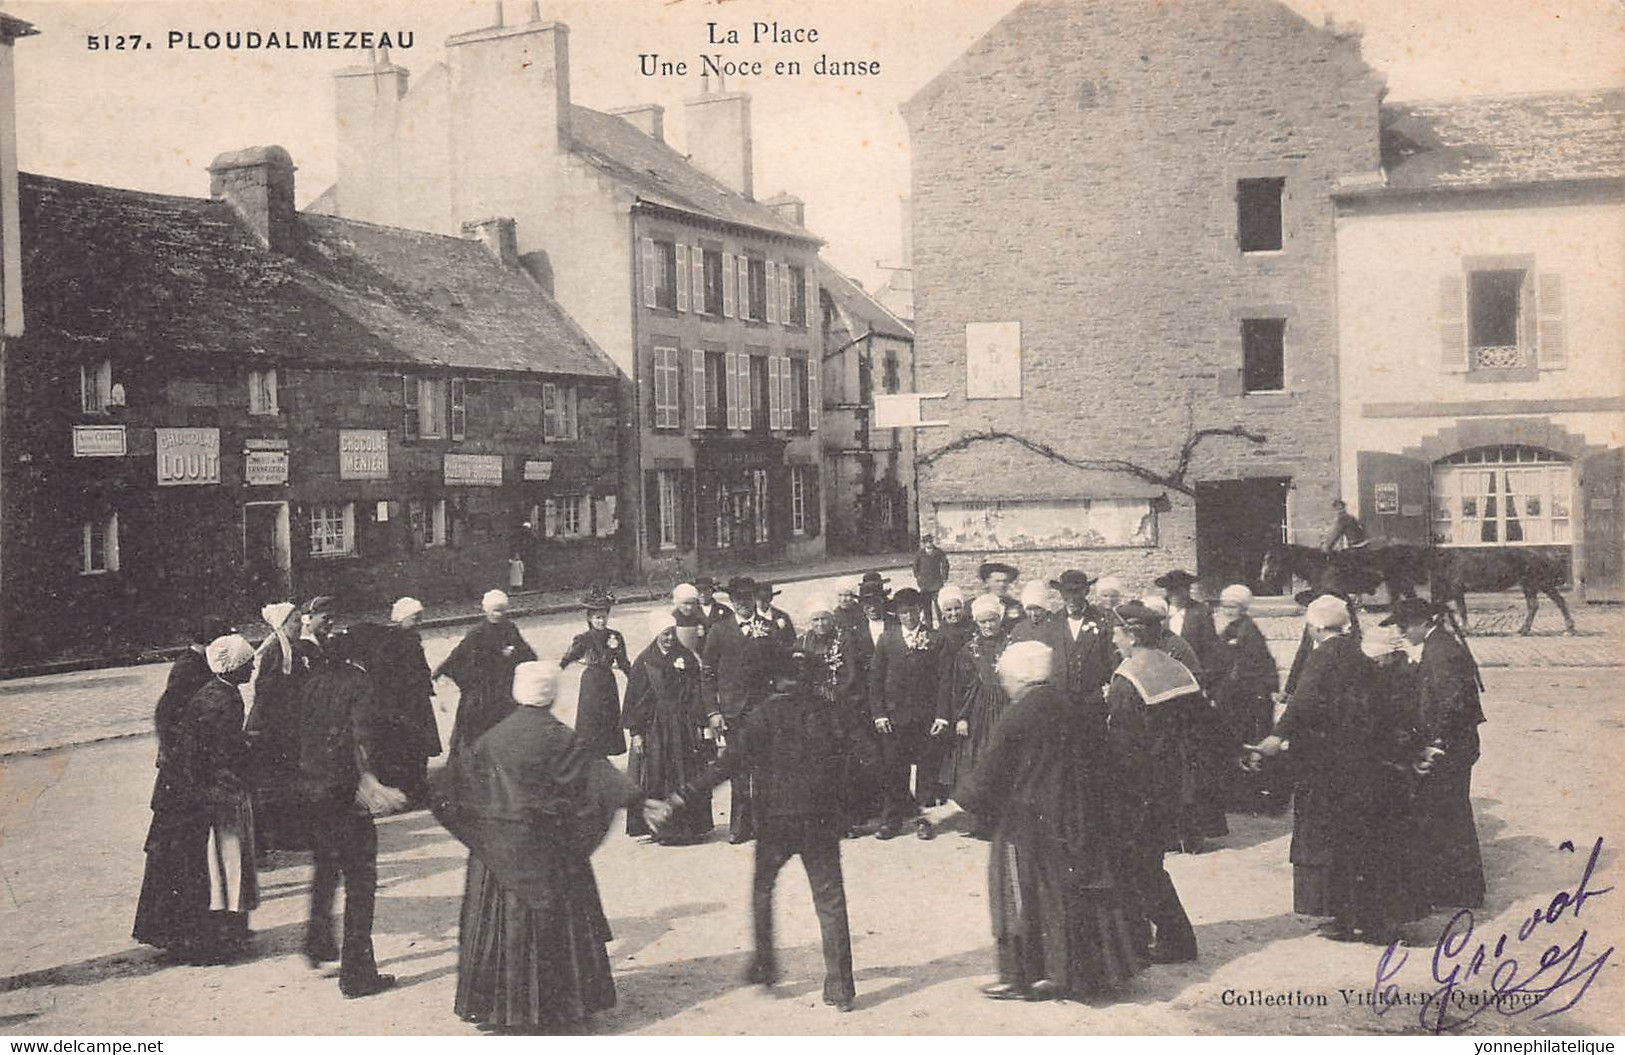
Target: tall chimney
365	104
258	183
510	112
719	141
11	245
648	118
788	207
499	235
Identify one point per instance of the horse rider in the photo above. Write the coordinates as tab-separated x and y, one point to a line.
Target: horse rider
1346	527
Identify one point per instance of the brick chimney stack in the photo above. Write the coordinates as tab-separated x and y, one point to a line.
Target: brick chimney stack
11	246
719	141
788	207
499	235
258	183
648	118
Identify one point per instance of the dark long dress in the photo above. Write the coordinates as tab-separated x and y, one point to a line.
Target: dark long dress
839	683
1059	908
280	816
531	808
974	695
1205	756
1243	689
598	707
1447	714
405	734
664	708
482	667
175	885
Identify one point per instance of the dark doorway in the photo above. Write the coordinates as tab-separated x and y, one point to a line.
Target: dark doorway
1237	523
266	553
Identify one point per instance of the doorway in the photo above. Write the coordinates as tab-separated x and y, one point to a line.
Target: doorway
1237	523
267	555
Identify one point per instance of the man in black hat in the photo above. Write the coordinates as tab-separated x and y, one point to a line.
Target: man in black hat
930	575
1191	619
1447	713
792	752
997	578
1082	640
711	609
902	701
735	671
784	628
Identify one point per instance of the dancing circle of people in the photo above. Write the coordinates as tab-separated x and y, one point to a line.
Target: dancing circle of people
1083	733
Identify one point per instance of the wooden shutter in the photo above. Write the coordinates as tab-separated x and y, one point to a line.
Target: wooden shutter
648	272
746	308
685	509
775	413
682	277
772	288
410	426
459	408
728	285
812	311
1413	478
696	267
1551	341
747	391
651	509
787	392
550	411
651	393
698	384
1453	324
730	393
784	295
815	405
678	386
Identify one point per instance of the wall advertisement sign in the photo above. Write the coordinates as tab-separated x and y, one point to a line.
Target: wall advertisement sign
363	454
188	457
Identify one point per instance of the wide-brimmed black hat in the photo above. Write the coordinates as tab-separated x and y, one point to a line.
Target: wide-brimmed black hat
705	582
1408	611
321	603
741	586
872	590
909	596
1175	579
874	577
1136	614
993	567
1072	579
765	589
598	599
1303	597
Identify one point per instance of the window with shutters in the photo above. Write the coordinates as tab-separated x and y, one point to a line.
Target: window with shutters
664	269
432	408
262	392
569	517
1505	495
332	530
98	545
1258	214
798	499
1263	355
711	390
796	295
1498	335
96	387
709	300
559	421
669	490
800	396
667	412
754	307
427	518
759	389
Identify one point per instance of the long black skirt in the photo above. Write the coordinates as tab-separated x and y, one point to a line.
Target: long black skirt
598	713
174	904
517	967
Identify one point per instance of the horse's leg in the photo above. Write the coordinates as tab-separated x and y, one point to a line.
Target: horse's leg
1562	606
1531	600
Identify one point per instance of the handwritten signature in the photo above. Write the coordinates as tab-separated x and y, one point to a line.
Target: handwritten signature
1559	971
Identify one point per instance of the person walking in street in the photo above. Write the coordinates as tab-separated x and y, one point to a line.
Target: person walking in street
1148	704
664	717
1063	921
1244	687
601	651
407	733
482	667
172	910
902	703
1447	716
792	752
1086	653
930	576
735	672
338	741
974	699
531	807
1350	748
273	723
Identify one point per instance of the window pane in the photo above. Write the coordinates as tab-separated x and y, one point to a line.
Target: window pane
1258	214
1493	299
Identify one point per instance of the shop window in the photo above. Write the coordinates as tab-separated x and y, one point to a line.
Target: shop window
332	530
1263	355
262	392
96	387
1503	496
559	421
99	545
428	522
1258	214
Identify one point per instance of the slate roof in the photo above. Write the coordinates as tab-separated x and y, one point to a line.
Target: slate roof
864	309
661	176
184	276
1504	141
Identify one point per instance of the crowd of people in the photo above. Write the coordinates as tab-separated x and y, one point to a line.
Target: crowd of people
1084	732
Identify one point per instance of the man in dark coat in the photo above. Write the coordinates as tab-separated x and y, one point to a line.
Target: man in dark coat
997	579
407	735
1243	691
1149	702
1447	714
1350	748
339	732
1192	620
903	703
1080	636
792	751
784	628
735	675
930	575
710	609
482	665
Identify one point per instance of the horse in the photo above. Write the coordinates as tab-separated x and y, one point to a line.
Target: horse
1448	573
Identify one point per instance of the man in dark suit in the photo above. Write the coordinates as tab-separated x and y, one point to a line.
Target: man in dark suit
930	575
339	723
1447	716
1192	620
784	628
1081	637
710	609
792	752
735	668
903	702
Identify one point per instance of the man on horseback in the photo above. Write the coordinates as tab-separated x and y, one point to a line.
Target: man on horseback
1346	528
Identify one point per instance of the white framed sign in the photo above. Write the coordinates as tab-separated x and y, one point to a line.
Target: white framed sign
98	441
993	360
265	468
188	457
363	454
539	470
477	470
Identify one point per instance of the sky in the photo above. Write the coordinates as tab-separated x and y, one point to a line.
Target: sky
153	118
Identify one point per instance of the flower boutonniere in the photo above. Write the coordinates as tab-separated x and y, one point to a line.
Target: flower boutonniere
613	641
780	622
680	663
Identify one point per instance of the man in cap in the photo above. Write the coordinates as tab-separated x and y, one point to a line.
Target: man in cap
997	579
792	753
903	702
1191	619
339	739
930	575
736	668
1148	703
1344	739
1447	716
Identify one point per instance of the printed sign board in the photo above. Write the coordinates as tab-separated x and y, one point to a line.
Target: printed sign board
188	457
265	468
98	441
1385	499
477	470
541	470
363	454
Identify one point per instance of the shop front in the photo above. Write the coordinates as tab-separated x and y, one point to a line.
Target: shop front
743	501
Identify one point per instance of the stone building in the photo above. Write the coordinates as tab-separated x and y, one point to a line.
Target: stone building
1123	234
704	297
868	470
220	402
1482	360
